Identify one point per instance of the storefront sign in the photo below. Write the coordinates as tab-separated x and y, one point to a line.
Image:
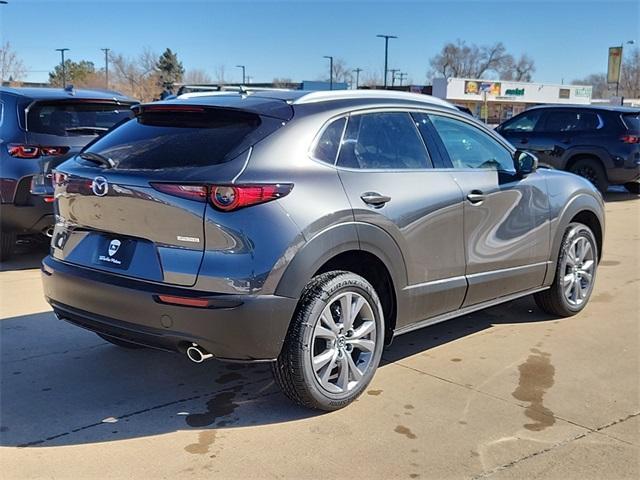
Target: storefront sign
514	92
583	92
475	88
615	60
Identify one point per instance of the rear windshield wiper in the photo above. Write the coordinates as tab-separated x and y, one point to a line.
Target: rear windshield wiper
94	130
97	158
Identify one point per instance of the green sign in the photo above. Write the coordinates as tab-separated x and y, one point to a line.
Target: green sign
514	92
583	92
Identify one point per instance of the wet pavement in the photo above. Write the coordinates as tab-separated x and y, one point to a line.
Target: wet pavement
509	392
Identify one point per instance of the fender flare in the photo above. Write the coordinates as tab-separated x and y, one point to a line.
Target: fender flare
591	151
579	203
335	240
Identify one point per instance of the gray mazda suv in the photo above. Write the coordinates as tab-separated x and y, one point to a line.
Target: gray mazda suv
307	229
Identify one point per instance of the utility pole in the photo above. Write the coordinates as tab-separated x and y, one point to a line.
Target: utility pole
357	70
386	54
64	73
249	79
106	66
402	77
330	71
393	75
243	73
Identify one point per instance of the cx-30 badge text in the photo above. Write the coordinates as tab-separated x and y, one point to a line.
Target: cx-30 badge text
100	186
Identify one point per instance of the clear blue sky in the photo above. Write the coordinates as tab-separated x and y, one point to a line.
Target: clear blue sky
567	39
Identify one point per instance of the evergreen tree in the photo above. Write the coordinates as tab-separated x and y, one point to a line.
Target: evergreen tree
169	68
77	73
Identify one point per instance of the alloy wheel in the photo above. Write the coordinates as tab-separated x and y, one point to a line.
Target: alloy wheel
579	269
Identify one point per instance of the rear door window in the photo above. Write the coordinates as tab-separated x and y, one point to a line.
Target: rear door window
386	140
75	118
173	139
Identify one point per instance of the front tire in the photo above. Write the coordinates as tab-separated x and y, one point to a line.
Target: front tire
633	187
575	273
334	343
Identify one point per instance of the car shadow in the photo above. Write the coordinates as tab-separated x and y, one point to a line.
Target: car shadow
619	194
61	385
27	254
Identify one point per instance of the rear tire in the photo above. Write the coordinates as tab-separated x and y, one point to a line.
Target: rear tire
633	187
329	358
119	343
591	170
7	244
575	273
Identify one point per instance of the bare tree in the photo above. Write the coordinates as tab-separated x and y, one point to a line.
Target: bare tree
284	82
11	67
137	77
341	71
472	61
197	76
371	79
220	74
630	75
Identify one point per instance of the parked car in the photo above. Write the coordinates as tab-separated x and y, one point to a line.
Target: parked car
600	143
40	128
307	229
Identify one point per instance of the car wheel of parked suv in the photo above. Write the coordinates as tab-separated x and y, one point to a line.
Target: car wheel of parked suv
633	187
592	171
575	273
334	343
7	244
119	343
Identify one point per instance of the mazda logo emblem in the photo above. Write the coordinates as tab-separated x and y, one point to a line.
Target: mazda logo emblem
100	186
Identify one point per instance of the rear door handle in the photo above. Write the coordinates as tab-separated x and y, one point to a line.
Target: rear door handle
375	199
476	197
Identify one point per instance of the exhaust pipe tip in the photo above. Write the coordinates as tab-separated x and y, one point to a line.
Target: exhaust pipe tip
197	355
48	232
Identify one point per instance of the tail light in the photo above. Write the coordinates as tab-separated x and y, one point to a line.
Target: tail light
630	139
227	198
34	151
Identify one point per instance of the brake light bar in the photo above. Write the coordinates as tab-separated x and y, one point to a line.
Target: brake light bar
34	151
227	198
630	139
138	109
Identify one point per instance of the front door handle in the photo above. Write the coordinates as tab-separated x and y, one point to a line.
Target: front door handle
476	197
375	199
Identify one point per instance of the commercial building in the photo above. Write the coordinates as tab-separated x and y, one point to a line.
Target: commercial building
497	100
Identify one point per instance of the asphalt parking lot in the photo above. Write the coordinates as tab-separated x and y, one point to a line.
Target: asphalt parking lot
505	393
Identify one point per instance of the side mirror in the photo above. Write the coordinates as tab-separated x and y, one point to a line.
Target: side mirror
525	162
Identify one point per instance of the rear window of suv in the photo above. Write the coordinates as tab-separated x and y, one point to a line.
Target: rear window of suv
160	139
75	118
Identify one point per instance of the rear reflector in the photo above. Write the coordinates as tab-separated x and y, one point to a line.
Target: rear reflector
184	301
49	199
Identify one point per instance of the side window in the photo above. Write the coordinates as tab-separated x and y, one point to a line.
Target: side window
326	148
383	141
525	122
469	147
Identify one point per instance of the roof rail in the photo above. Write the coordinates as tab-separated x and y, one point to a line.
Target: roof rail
328	95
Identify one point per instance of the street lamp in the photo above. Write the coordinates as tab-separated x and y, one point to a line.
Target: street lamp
64	74
357	71
106	66
330	71
386	54
243	72
628	42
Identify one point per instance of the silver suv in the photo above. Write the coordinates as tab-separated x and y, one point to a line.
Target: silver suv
307	229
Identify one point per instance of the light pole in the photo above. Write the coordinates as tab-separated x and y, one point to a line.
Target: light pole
243	72
402	76
330	71
393	75
386	54
249	79
628	42
357	70
106	66
64	74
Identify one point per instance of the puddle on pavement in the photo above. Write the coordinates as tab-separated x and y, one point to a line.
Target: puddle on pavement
609	263
205	440
536	377
220	405
456	359
374	392
229	377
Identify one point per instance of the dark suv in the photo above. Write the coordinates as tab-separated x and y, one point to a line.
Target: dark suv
599	143
307	229
40	128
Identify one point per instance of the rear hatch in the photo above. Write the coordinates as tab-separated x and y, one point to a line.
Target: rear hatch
61	128
133	203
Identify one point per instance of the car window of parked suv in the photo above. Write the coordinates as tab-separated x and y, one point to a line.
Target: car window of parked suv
386	140
525	122
326	148
69	118
468	147
572	121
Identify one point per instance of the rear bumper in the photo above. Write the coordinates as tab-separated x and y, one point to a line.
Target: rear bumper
26	219
236	327
623	175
